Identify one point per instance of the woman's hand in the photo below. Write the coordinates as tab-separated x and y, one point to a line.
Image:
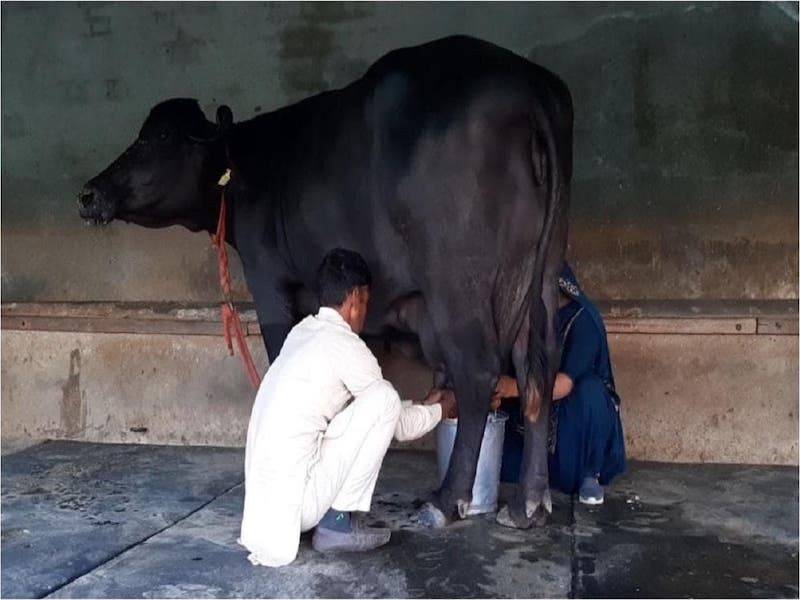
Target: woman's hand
506	387
562	386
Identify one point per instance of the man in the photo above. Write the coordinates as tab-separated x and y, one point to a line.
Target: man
312	459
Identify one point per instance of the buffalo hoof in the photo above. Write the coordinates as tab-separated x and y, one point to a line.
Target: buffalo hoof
538	506
536	509
514	519
430	516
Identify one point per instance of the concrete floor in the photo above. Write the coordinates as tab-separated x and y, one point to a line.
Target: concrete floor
89	520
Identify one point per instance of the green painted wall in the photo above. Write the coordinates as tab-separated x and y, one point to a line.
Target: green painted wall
686	131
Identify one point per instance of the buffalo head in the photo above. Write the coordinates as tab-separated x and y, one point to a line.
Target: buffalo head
168	175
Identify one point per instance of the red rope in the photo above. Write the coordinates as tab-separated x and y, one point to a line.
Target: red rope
231	321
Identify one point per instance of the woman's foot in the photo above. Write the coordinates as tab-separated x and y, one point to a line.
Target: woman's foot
591	491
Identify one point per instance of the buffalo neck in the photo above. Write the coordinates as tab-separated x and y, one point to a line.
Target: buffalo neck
212	214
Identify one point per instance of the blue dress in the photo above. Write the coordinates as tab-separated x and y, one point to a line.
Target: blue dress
586	437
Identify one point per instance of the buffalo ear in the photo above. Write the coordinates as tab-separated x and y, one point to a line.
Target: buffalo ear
224	119
224	124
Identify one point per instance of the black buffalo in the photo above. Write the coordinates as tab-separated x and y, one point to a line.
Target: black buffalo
447	166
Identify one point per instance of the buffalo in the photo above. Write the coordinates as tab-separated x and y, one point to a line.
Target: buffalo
447	166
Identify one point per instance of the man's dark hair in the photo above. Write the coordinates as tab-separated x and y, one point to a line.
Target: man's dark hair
340	272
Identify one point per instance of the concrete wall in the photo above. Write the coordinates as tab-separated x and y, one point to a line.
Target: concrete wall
708	389
686	129
685	187
168	389
708	398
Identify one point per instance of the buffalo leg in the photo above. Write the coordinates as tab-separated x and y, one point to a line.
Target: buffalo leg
274	335
274	308
473	382
534	486
531	502
535	476
473	393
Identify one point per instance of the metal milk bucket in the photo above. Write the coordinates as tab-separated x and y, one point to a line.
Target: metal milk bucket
487	478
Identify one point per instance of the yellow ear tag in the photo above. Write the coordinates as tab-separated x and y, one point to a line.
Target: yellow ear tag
226	177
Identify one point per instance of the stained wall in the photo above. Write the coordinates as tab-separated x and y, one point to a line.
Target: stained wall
686	129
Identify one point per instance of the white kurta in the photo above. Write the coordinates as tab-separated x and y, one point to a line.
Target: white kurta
300	459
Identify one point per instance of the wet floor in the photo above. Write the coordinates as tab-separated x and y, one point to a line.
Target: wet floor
133	521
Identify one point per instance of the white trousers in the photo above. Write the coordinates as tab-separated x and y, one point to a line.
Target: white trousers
344	475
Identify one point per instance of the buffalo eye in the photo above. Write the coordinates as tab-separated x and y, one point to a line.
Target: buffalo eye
163	136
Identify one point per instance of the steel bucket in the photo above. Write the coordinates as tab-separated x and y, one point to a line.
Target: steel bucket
487	478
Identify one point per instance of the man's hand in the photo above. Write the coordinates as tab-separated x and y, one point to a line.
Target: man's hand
447	399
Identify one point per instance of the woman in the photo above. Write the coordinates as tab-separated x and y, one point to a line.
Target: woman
587	448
